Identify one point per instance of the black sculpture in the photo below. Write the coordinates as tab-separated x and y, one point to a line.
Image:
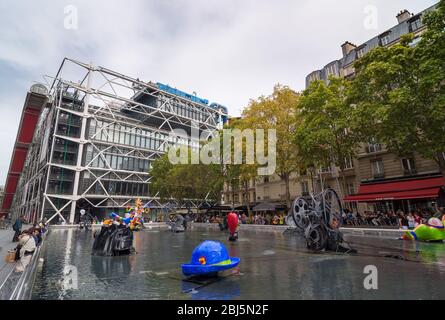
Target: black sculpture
179	224
113	240
319	219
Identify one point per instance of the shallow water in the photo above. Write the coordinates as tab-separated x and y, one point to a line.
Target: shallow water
273	266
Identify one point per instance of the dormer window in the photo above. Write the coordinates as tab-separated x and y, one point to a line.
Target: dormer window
415	24
360	52
332	70
385	39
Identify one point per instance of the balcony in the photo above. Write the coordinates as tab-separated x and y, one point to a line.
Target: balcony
373	148
379	175
409	172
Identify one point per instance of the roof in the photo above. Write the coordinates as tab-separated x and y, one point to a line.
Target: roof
394	34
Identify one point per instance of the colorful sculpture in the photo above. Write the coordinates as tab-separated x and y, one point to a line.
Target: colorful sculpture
232	222
208	259
116	235
133	217
434	230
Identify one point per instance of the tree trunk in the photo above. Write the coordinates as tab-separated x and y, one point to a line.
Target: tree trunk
286	182
233	196
246	190
312	182
343	186
441	164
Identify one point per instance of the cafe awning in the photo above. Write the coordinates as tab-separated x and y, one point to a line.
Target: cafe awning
399	190
267	206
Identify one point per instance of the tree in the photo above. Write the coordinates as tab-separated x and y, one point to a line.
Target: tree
399	92
278	111
184	182
240	174
327	132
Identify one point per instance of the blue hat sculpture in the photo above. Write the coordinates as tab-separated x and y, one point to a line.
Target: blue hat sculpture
208	258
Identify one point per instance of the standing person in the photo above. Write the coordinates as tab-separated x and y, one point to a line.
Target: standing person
17	227
411	221
417	218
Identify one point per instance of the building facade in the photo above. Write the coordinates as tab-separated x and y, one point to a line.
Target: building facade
96	138
375	168
373	165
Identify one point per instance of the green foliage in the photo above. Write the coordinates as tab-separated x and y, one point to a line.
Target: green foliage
327	132
399	92
278	111
185	181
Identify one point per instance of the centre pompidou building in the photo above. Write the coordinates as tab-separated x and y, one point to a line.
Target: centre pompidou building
93	142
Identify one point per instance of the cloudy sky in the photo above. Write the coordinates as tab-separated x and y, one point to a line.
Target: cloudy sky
227	51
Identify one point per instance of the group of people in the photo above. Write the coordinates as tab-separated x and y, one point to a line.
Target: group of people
391	218
28	240
257	218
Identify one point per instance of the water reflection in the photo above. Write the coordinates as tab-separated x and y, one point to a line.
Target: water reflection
224	290
291	272
106	268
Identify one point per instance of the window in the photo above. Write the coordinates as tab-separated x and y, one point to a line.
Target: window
314	77
415	41
138	141
415	24
92	129
360	52
348	163
119	163
122	137
408	166
384	40
373	147
377	169
114	162
332	70
350	188
326	169
108	158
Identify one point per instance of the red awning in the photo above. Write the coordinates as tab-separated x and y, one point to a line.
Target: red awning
399	190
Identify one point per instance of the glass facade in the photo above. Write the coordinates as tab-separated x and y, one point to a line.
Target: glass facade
122	134
110	182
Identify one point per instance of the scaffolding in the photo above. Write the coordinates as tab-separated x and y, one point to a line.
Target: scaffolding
96	140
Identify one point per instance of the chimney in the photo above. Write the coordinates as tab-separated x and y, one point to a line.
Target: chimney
347	47
403	16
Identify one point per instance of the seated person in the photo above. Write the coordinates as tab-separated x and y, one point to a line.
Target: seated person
24	251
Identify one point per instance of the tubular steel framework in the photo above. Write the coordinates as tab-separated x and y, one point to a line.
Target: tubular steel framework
96	139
